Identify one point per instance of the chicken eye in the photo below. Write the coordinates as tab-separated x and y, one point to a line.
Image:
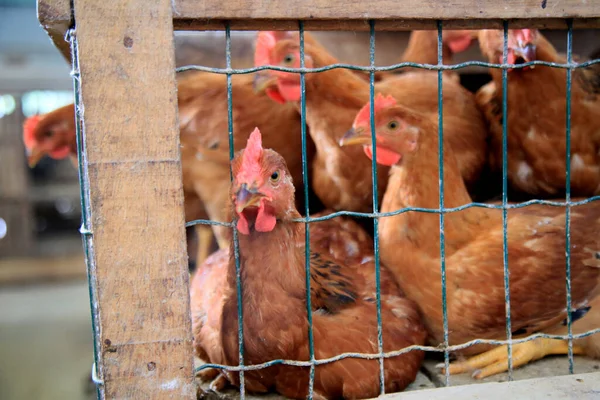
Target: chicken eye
48	134
393	125
275	177
288	59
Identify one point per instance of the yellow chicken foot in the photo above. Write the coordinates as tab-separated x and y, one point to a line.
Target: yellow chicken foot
223	243
219	383
205	235
495	361
208	374
217	380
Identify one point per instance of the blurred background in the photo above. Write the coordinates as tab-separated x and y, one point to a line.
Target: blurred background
45	331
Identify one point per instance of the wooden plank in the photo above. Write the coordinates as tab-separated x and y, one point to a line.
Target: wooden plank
391	14
361	25
55	17
14	182
569	387
139	260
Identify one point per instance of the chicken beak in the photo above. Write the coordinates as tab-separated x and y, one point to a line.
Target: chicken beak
34	156
263	80
245	198
355	137
528	52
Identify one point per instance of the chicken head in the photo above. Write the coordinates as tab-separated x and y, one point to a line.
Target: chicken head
262	190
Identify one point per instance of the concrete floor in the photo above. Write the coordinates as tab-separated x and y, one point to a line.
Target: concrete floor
45	342
46	348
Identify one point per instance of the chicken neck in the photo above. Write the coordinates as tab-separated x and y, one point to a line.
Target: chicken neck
423	48
342	174
273	289
415	183
549	82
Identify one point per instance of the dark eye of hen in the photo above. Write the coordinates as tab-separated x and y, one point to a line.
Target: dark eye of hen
48	134
288	58
275	176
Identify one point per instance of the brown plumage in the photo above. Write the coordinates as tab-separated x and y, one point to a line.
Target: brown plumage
537	118
51	134
202	100
410	247
342	177
423	48
204	128
272	267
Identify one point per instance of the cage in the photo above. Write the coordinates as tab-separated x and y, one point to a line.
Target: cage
130	168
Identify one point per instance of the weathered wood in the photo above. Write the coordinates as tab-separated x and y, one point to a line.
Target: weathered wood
16	214
391	14
14	182
139	261
55	17
361	25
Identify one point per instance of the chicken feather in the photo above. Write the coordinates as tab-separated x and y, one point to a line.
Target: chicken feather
272	274
410	247
536	112
342	177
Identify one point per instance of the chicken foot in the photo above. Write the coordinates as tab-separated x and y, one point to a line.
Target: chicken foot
218	380
495	361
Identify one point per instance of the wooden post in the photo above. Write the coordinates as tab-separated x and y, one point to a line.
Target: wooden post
138	259
16	213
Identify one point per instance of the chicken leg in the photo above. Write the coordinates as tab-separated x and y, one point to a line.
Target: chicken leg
495	361
205	236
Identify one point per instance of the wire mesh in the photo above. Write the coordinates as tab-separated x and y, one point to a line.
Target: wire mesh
311	344
568	193
86	216
505	200
445	343
444	347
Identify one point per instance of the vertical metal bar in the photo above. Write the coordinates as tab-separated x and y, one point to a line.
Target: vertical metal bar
236	248
375	206
86	234
504	200
311	346
568	191
441	196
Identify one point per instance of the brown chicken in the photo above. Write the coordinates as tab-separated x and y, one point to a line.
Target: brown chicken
54	134
342	176
423	48
51	134
202	99
536	131
275	323
410	247
204	127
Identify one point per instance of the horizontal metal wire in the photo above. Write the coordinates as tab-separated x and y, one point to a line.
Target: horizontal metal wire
523	204
432	67
374	356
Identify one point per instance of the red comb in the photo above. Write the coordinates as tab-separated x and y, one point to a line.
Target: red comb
251	158
528	34
524	35
29	131
363	116
264	44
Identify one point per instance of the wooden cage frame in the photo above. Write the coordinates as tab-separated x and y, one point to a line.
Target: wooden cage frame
137	268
